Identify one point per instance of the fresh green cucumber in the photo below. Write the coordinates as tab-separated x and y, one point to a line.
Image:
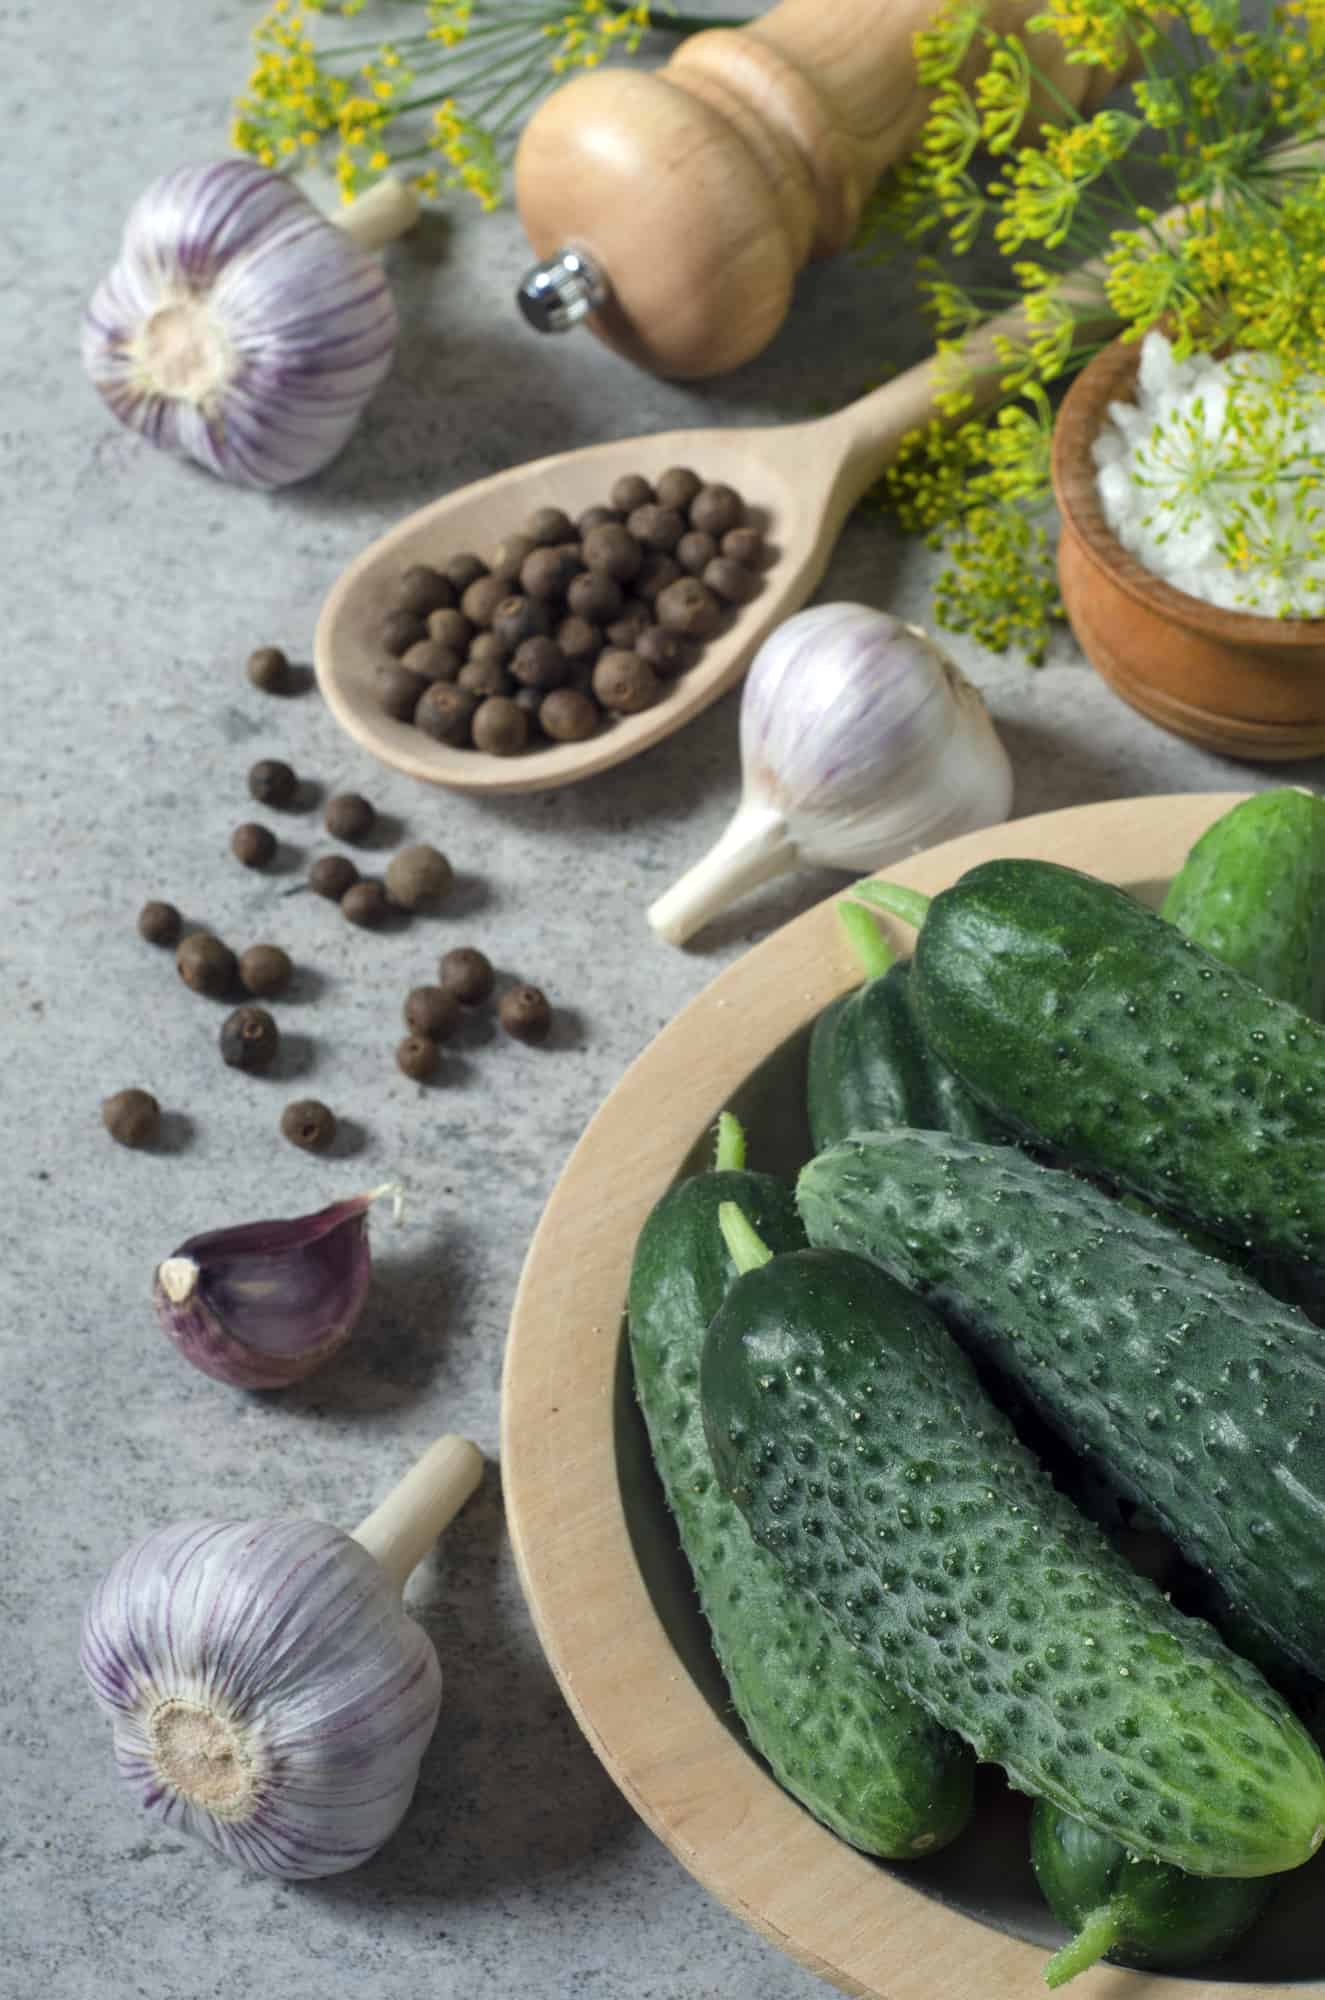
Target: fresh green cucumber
1252	893
869	1063
1093	1026
851	1431
862	1756
1202	1398
1136	1912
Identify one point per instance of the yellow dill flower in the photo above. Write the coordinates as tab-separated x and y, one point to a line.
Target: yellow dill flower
1102	33
941	49
1003	94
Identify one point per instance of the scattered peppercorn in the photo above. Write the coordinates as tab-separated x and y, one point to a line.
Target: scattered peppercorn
132	1117
466	972
623	682
539	663
690	608
398	690
678	486
695	552
254	845
432	1011
629	492
432	661
401	630
715	509
272	783
451	628
500	727
268	669
159	923
744	545
614	550
349	817
548	526
309	1125
445	713
422	590
731	581
462	570
265	970
484	678
524	1012
331	875
249	1039
365	903
205	964
418	1057
568	715
418	875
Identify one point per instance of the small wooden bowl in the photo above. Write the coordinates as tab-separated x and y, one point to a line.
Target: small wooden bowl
1228	680
612	1599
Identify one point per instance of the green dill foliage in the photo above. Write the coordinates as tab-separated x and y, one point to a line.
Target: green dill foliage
1062	215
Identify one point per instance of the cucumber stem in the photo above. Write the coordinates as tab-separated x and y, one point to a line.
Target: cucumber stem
908	904
730	1154
1098	1934
865	939
748	1249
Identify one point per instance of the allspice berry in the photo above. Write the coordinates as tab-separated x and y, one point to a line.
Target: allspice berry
631	491
484	678
272	783
482	598
695	552
254	845
486	646
530	700
547	572
690	608
445	713
655	527
678	486
432	661
464	569
744	545
500	727
596	596
349	817
666	652
636	617
548	525
401	630
417	876
308	1124
525	1013
249	1039
518	618
656	572
539	663
422	590
331	875
623	682
265	970
613	550
432	1011
268	669
510	556
205	964
159	923
365	903
578	640
568	716
132	1117
595	517
418	1057
715	509
398	690
451	628
731	581
466	972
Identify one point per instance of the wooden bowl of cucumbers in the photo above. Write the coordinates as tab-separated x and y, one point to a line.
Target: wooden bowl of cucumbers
1006	1487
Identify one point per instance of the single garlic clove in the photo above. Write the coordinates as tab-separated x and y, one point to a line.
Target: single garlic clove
263	1305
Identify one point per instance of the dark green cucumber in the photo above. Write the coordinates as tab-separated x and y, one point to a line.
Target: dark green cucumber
862	1756
1136	1912
870	1065
1252	893
851	1431
1093	1026
1200	1396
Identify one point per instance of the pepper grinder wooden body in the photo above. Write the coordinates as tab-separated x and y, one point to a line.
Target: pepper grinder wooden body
698	191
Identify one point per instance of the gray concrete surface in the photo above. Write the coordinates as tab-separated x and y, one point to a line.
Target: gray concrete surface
134	589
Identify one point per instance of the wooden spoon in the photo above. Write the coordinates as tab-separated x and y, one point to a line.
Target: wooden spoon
800	482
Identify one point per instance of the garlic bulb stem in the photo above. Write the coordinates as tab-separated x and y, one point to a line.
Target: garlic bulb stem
375	219
754	849
401	1531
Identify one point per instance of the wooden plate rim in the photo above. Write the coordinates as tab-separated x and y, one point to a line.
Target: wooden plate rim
686	1775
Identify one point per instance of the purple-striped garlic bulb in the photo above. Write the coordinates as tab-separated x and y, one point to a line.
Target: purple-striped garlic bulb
268	1692
242	328
262	1304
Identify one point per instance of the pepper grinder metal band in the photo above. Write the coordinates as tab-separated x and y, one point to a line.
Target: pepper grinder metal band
557	294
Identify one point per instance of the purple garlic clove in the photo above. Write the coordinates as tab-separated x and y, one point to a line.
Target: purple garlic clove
265	1304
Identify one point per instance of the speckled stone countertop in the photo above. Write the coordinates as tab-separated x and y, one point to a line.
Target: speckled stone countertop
136	589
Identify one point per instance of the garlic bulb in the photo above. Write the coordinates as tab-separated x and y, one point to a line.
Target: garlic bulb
267	1690
264	1304
239	326
860	742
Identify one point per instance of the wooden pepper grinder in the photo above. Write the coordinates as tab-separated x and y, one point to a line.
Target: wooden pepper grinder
673	209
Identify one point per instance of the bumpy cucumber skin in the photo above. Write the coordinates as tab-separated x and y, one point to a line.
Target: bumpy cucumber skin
851	1431
1095	1027
859	1754
1167	1917
1251	893
870	1066
1200	1396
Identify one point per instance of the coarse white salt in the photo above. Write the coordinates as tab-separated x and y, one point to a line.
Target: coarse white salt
1211	476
